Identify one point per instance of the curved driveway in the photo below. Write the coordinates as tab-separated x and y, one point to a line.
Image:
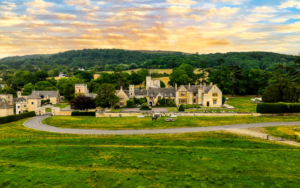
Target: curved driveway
36	123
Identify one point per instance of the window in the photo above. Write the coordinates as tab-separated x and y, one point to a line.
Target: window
195	94
8	101
182	101
18	106
159	98
215	102
121	104
24	105
195	100
215	94
121	99
8	97
32	103
182	94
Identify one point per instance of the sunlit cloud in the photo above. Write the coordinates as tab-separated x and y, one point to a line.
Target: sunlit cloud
48	26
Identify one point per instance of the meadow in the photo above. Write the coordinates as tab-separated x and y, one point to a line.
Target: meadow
116	123
288	132
214	159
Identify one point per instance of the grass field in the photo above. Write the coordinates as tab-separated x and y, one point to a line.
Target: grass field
62	105
284	131
147	123
242	104
215	159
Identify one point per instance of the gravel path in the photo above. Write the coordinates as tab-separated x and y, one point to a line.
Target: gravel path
35	123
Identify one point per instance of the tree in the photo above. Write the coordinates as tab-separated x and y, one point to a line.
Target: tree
28	88
44	85
8	90
162	84
41	75
82	102
283	91
179	76
171	103
66	86
135	78
106	96
84	75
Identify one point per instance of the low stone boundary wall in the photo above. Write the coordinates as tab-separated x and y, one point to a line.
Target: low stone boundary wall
168	114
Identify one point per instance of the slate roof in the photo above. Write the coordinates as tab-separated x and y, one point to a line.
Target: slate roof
166	92
20	99
42	94
140	92
5	105
194	88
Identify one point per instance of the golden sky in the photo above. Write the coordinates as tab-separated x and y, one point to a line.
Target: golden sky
51	26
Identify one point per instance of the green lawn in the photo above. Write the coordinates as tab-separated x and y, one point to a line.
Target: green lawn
62	105
48	110
172	109
288	132
242	104
81	122
215	159
116	110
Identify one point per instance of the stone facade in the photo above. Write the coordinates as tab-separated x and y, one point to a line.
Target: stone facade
6	109
8	98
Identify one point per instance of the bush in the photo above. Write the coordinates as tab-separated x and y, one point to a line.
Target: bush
129	103
45	101
77	113
145	107
181	108
274	108
13	118
162	102
117	106
171	103
223	100
191	106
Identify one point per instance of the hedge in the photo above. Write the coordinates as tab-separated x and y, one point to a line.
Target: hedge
181	108
77	113
186	106
274	108
12	118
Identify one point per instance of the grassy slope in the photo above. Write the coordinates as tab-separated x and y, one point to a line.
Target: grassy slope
147	123
242	104
285	131
215	159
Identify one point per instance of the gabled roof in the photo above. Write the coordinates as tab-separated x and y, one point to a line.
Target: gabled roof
194	88
166	92
140	92
5	105
43	94
19	99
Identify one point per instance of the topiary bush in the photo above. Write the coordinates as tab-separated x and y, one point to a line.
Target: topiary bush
181	108
171	103
77	113
145	107
130	104
274	108
12	118
223	100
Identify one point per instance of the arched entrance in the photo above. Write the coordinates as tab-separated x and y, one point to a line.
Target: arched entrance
150	103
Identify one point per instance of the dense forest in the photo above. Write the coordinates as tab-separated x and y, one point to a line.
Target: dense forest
108	59
244	73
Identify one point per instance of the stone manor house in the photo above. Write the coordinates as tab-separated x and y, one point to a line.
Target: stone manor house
203	95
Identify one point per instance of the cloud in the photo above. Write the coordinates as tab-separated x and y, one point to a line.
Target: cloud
264	9
81	24
39	4
290	28
78	2
181	2
290	4
60	29
258	17
179	9
63	16
7	6
8	20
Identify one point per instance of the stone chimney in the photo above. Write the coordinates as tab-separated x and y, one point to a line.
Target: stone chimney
201	86
176	87
211	83
204	84
189	85
121	88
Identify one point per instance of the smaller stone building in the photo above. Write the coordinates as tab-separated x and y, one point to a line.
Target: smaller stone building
8	98
5	108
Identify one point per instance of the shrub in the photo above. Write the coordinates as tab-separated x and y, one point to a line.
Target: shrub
77	113
278	108
191	106
297	129
223	100
162	102
129	103
171	103
181	109
145	107
45	101
17	117
117	106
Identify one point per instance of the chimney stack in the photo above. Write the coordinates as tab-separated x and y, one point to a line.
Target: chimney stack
201	86
121	88
175	86
211	83
189	85
204	84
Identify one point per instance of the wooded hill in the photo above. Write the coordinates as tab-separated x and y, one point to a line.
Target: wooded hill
108	59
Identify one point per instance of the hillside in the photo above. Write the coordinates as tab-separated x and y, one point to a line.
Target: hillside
108	59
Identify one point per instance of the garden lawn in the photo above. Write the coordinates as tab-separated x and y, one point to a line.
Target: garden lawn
82	122
242	104
62	105
206	159
288	132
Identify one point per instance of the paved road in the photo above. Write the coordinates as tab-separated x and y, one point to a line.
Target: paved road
35	123
161	110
